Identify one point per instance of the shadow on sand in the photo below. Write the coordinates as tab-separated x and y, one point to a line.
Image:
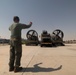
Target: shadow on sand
37	68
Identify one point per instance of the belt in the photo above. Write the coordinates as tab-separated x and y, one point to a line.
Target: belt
13	39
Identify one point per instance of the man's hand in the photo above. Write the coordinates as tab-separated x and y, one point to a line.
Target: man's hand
30	23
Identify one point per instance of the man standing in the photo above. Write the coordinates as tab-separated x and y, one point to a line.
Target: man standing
15	44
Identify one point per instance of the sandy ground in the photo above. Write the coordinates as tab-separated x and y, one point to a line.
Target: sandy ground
38	60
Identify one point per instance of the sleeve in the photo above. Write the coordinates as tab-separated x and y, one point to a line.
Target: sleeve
24	26
10	28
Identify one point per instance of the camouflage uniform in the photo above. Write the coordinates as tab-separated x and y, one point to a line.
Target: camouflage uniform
15	43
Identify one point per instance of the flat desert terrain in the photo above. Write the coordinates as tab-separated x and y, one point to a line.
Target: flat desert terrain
38	60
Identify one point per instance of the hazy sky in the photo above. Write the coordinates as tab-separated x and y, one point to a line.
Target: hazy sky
45	15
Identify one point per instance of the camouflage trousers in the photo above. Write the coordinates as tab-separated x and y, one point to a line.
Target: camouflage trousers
15	52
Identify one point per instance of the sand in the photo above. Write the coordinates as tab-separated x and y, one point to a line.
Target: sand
38	60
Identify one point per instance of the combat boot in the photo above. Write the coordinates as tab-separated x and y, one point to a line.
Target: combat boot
17	69
11	69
